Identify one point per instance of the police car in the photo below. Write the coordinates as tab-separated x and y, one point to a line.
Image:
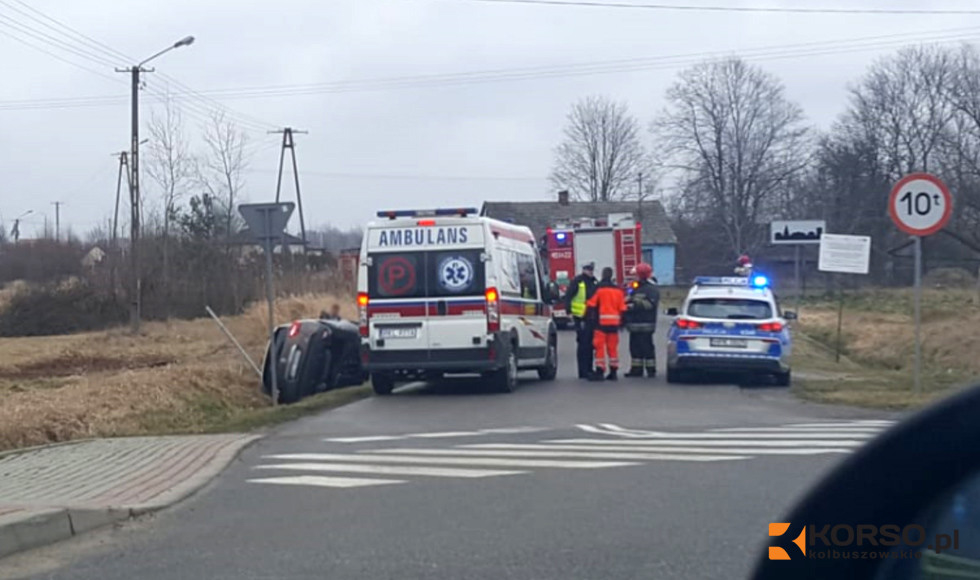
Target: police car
730	324
445	291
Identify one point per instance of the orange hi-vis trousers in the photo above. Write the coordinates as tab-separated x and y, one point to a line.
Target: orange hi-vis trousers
606	344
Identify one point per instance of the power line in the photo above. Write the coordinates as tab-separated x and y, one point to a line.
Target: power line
660	62
407	176
752	9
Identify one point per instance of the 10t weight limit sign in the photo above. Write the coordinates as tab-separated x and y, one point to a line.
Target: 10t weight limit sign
920	204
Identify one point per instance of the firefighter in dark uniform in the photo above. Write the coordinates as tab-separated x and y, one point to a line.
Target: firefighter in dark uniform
641	322
580	290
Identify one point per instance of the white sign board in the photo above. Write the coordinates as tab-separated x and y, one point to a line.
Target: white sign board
796	231
845	254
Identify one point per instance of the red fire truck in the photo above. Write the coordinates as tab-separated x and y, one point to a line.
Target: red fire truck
613	241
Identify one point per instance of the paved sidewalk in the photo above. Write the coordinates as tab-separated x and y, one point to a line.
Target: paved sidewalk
52	493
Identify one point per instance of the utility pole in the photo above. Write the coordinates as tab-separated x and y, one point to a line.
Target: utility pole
57	219
288	143
134	182
639	186
123	167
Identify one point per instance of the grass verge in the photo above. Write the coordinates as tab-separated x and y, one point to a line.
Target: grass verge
177	377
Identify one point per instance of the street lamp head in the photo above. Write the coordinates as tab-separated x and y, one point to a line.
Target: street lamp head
186	41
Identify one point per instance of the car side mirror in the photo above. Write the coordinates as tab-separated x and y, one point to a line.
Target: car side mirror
917	514
671	311
790	315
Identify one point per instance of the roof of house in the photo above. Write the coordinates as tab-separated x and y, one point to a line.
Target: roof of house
540	215
245	238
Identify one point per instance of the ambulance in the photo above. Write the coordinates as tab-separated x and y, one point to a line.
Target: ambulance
446	291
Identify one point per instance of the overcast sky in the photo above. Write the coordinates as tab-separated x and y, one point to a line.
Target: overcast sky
391	147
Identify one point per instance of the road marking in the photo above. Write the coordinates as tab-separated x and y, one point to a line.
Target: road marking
559	453
713	442
391	469
436	435
660	449
881	424
860	431
655	435
321	481
481	461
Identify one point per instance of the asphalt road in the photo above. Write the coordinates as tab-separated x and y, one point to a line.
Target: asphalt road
563	480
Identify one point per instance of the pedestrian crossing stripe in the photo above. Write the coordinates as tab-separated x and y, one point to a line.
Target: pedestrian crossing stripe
618	447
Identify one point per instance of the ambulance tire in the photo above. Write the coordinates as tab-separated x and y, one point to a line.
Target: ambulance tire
550	369
382	383
504	380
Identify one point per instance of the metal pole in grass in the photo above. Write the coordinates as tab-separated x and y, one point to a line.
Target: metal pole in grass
840	317
270	296
233	340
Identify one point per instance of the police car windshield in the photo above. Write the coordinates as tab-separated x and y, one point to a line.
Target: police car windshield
730	308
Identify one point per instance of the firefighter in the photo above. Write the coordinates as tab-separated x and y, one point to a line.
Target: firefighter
606	308
580	290
641	322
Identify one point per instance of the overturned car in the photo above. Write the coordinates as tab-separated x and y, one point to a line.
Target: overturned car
312	356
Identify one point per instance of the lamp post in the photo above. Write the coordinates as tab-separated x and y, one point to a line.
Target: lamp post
134	183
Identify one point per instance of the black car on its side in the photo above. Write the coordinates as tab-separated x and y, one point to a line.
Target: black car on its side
312	356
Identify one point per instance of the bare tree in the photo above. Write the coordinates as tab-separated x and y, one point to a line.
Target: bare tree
601	154
736	141
220	171
171	167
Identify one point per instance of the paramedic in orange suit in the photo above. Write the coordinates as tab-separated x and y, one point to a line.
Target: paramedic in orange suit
606	307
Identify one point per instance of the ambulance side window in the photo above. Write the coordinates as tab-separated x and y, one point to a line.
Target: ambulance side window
528	275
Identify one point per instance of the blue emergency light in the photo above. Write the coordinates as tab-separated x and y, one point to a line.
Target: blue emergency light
758	281
560	236
397	213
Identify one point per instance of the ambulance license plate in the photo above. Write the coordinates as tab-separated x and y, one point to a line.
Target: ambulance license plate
403	332
729	342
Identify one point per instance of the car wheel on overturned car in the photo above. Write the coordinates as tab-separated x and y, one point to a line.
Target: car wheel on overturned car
382	383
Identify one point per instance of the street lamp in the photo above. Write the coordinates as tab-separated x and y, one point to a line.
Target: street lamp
134	183
15	231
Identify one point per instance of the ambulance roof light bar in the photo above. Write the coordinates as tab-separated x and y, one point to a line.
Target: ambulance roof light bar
403	213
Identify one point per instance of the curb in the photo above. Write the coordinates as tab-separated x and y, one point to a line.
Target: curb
23	529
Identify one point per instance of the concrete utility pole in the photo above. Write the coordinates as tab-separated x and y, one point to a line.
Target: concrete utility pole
288	143
57	219
134	182
123	168
639	186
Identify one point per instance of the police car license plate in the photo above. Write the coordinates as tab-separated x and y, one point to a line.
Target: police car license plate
399	332
729	342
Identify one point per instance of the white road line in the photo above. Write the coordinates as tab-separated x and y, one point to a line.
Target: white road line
730	442
656	435
321	481
811	430
391	469
446	434
676	456
657	449
882	424
364	439
468	461
511	430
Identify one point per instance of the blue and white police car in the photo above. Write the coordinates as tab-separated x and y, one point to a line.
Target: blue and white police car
730	324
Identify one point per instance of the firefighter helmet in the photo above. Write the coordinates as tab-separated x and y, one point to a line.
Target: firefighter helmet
644	270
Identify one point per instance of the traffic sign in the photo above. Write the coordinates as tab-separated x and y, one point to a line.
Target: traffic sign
844	254
266	221
920	204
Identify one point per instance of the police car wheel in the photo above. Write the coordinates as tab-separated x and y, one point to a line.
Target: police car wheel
676	376
784	379
550	369
382	383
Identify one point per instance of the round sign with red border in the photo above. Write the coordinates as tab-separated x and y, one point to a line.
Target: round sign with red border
920	204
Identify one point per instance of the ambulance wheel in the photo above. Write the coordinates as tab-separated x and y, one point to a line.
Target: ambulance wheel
784	379
550	369
505	379
382	383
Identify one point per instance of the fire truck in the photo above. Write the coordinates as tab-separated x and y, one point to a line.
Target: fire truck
613	241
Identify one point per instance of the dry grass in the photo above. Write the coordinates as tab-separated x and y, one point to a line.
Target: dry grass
177	377
878	340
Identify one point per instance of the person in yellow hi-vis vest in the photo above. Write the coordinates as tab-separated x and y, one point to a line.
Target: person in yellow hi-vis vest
580	290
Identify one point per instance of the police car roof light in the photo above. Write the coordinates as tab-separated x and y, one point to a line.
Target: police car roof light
760	281
720	281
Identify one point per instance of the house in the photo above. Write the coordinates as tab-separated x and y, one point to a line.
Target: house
249	245
659	242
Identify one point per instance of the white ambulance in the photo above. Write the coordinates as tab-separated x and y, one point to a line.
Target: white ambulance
444	292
